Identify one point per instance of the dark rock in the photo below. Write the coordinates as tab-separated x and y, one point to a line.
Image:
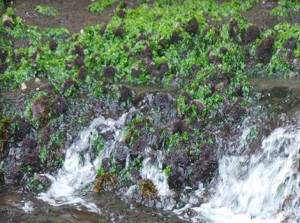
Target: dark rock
290	43
3	67
175	37
138	148
68	84
105	165
109	72
15	175
32	159
79	50
3	55
264	49
29	143
18	58
9	24
47	132
234	111
53	45
179	126
234	29
162	100
125	93
192	26
23	127
120	156
141	37
47	87
119	32
290	56
79	61
205	166
136	72
82	73
223	50
147	52
179	162
135	175
252	33
164	68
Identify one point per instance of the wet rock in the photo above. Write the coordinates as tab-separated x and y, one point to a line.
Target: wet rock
192	27
109	72
290	43
234	29
120	156
23	127
29	143
234	111
138	149
290	56
79	61
264	49
135	175
15	175
119	32
31	159
47	106
3	67
105	165
47	132
204	167
82	73
53	45
252	33
179	162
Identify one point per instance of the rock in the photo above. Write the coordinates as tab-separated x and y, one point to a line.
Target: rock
121	156
105	165
179	161
138	148
192	26
205	166
29	143
175	37
68	84
252	33
264	49
23	128
290	43
79	61
179	126
82	73
109	72
3	67
125	93
119	32
23	86
52	45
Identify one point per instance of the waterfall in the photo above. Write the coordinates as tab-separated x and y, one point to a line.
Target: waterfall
263	187
79	170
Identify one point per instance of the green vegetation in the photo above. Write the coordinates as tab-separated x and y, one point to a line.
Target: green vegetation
46	10
100	5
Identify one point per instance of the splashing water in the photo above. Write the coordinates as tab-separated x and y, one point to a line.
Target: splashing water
260	188
79	170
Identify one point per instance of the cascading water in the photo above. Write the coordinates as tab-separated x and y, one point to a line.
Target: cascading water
262	187
79	170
